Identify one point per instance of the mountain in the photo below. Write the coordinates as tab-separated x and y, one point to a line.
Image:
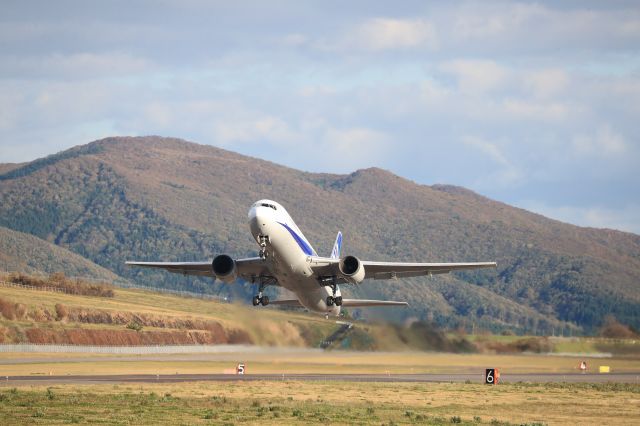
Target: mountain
25	253
153	198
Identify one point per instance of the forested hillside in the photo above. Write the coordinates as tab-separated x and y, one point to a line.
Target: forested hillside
25	253
156	198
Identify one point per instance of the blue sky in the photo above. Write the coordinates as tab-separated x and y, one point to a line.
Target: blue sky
534	104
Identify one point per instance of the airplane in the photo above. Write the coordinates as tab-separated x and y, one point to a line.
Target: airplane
287	259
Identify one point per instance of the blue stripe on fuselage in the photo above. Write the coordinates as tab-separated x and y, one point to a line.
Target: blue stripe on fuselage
306	248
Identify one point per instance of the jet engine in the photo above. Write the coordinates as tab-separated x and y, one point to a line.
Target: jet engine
225	268
351	269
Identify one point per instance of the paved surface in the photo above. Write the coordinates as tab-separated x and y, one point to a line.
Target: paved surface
416	378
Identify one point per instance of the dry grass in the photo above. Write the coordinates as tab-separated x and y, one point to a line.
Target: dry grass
66	318
321	403
46	317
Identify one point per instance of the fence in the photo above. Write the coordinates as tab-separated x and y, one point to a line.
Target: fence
175	292
131	350
33	287
127	285
148	350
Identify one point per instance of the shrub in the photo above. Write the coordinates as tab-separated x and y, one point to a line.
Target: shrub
20	310
134	325
61	312
613	329
7	309
60	281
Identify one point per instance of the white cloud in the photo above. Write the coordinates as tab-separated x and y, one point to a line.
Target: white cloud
603	141
497	19
85	65
477	76
518	27
295	40
546	83
623	219
380	34
536	111
505	174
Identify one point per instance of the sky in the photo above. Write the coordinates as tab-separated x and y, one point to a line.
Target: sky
536	104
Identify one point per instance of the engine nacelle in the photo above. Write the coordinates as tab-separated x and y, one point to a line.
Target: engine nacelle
351	269
225	268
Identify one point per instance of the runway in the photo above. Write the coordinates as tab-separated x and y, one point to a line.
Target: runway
377	378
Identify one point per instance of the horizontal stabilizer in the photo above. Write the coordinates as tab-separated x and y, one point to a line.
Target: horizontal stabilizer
351	303
291	302
361	303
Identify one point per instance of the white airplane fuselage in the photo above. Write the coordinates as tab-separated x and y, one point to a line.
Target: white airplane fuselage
289	255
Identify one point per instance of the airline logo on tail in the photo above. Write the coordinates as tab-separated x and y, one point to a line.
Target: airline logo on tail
337	246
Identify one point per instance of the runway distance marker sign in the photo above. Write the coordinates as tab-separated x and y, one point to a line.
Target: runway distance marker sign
491	376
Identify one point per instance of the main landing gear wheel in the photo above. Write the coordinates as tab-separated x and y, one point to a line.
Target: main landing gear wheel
260	299
334	301
257	300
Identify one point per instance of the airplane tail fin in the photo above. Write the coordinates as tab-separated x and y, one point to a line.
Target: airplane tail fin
337	246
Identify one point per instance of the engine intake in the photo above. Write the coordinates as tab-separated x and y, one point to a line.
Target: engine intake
225	268
351	269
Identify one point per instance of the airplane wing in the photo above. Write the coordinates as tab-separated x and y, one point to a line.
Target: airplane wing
326	267
390	270
247	268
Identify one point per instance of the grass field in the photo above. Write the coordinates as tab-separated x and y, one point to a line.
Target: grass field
165	314
301	402
321	403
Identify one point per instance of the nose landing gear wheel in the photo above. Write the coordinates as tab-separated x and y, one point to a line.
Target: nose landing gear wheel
338	301
330	300
256	300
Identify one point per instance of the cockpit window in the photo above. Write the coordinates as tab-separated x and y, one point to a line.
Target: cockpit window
268	205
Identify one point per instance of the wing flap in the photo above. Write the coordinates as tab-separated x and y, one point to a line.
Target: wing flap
386	270
185	268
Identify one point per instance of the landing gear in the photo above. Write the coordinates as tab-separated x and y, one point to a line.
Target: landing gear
259	299
332	300
263	240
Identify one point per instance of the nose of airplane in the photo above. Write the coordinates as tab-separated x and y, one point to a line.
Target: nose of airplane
257	219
